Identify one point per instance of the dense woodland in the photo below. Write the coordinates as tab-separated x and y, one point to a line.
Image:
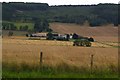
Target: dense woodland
41	14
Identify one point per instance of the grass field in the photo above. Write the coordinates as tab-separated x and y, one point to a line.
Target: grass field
18	24
30	25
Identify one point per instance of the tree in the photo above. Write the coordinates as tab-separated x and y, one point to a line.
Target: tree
109	13
37	26
8	26
24	28
75	36
49	36
68	37
97	21
27	35
41	25
20	28
10	33
12	27
49	30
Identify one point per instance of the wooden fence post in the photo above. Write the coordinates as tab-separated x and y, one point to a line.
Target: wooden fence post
91	63
41	56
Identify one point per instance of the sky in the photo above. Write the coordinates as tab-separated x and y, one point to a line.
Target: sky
66	2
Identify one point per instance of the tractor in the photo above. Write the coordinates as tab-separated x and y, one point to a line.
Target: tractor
82	42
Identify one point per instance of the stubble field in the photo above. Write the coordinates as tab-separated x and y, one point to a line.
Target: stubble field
54	52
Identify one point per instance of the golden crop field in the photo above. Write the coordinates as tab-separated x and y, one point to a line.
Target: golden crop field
20	49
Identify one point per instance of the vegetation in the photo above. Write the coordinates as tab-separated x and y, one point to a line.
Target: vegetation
38	26
95	15
62	70
49	36
41	25
7	25
35	17
10	33
23	28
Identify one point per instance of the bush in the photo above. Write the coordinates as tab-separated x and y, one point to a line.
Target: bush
49	36
24	28
10	33
97	21
27	35
75	36
8	26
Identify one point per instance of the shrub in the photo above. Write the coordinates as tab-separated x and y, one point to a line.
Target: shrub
10	33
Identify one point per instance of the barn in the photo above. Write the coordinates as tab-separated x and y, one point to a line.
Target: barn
39	35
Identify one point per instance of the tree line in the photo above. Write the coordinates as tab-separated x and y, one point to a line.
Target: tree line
96	15
11	26
40	25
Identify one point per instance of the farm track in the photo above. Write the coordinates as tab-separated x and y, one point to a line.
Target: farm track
110	44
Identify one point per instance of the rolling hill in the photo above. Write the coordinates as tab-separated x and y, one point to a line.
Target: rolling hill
107	32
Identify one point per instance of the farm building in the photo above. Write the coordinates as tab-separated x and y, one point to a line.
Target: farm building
38	35
42	35
56	36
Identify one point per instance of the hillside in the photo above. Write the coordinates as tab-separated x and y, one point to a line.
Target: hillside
108	32
28	12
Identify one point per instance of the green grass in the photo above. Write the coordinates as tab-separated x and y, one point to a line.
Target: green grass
62	70
35	74
18	24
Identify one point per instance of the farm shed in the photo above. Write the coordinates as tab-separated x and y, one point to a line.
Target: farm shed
39	35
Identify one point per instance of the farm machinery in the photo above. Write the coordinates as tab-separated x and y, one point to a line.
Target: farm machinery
82	42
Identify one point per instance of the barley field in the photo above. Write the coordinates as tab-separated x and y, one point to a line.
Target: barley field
21	49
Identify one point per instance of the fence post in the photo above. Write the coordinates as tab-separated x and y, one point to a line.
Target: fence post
41	56
91	63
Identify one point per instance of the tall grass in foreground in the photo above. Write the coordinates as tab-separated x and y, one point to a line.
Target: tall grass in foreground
63	70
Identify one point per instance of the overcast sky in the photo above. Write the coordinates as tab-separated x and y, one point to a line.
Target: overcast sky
65	2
